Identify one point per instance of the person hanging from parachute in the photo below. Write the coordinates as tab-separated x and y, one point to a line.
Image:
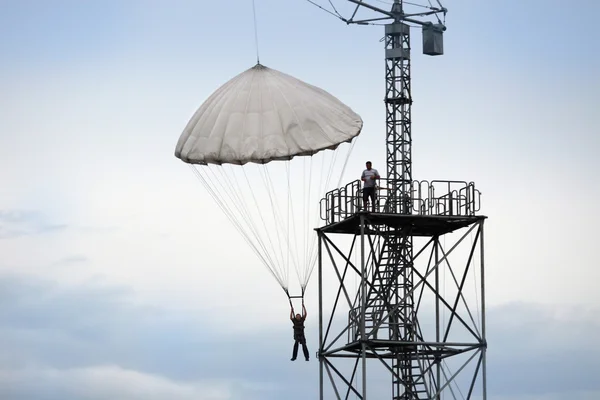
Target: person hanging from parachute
299	338
267	147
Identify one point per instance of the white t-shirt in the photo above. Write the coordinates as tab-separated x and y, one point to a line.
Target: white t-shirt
368	182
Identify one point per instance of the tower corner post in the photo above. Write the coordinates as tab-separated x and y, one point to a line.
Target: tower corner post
320	279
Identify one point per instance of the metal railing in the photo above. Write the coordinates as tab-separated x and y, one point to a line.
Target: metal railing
427	198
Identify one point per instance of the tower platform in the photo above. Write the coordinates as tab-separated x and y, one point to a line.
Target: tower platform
433	208
417	225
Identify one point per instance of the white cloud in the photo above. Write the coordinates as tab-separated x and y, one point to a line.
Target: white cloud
17	223
104	382
56	334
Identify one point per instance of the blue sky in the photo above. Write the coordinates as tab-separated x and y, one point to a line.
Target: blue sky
114	282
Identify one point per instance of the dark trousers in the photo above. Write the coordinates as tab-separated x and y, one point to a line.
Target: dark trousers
369	192
302	341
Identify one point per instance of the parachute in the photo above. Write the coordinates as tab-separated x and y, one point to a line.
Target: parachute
266	147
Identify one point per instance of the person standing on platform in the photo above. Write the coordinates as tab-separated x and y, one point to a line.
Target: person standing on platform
369	176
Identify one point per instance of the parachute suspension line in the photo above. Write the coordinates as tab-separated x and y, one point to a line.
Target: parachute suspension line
351	147
287	167
294	231
341	177
257	207
308	229
243	210
228	213
311	258
305	203
241	198
280	260
293	224
255	31
320	188
322	191
314	254
330	171
240	204
277	220
226	191
271	190
212	189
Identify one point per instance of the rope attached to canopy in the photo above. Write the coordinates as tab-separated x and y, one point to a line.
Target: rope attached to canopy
275	216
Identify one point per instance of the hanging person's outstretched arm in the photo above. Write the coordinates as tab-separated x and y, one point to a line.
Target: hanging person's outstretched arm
292	313
303	311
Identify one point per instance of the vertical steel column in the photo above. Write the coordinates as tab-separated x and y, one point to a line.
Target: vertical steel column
398	102
484	348
438	359
363	307
320	272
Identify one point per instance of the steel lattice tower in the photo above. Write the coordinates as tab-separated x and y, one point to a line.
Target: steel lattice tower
397	313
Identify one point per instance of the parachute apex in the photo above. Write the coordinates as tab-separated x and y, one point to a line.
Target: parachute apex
263	115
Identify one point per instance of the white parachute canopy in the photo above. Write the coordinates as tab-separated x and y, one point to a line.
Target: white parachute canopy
265	145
